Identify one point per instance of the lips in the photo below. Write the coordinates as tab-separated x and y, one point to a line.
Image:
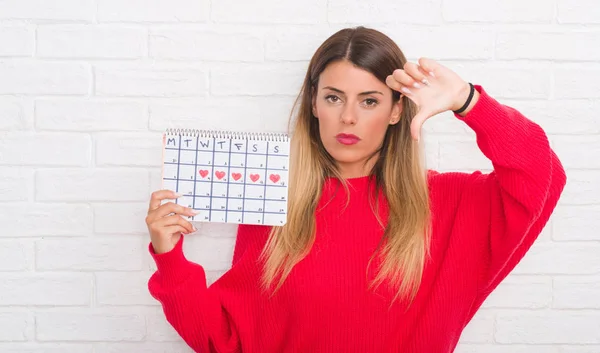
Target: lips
347	139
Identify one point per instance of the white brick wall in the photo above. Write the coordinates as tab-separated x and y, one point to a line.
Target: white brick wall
86	87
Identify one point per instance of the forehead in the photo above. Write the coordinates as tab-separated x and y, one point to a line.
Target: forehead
347	77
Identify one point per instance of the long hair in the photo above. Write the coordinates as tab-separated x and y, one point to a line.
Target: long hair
400	177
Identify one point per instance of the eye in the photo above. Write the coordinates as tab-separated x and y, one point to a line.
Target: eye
332	99
371	102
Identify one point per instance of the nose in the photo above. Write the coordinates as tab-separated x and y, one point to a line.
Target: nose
348	115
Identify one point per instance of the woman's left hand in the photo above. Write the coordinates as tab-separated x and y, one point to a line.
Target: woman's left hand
433	87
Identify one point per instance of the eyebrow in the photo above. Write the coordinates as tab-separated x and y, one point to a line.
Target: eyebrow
360	94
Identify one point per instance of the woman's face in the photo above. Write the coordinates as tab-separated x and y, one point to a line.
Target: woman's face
354	110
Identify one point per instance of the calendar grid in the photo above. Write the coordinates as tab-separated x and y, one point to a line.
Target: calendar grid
266	178
195	179
245	171
228	175
242	178
178	159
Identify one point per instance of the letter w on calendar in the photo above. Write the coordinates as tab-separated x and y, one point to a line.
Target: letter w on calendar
228	177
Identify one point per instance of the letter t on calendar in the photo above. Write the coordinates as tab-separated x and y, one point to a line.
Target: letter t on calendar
229	177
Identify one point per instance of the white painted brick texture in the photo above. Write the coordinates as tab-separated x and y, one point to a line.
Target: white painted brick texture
86	87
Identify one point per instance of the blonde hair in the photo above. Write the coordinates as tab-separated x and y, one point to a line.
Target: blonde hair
400	176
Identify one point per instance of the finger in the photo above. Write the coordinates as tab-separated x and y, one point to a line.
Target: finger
175	229
430	66
405	79
414	71
416	125
173	221
397	86
159	195
170	208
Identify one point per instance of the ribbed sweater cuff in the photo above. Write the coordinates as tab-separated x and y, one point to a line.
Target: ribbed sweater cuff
483	117
172	267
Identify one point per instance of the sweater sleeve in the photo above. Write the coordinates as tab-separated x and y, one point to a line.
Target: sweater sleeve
200	314
507	208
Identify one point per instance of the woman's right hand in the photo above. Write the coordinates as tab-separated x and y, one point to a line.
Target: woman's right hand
165	222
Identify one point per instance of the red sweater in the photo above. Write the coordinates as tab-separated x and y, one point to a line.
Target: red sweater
483	224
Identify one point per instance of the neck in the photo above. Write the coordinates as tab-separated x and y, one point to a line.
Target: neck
356	169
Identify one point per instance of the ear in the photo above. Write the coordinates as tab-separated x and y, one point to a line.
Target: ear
396	111
314	103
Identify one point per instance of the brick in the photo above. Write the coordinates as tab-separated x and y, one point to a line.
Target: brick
16	255
295	43
238	46
527	292
213	253
480	329
57	10
574	223
129	149
16	326
123	288
576	82
410	40
36	78
92	185
508	348
269	12
177	11
84	41
257	80
260	113
90	114
46	348
498	11
120	218
573	46
461	153
27	148
560	258
89	326
582	188
150	82
45	219
15	184
504	81
560	327
159	330
16	40
576	292
582	151
46	289
146	347
15	113
578	12
381	11
580	349
91	254
551	115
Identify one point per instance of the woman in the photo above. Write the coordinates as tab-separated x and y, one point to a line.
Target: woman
377	255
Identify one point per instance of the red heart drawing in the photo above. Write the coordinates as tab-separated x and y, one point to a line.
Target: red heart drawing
236	176
254	177
203	173
220	174
274	177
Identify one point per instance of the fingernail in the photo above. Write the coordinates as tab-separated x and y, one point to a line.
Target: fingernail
431	73
425	81
406	90
178	194
194	228
416	85
194	212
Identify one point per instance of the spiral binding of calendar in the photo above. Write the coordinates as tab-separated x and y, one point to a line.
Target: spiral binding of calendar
227	134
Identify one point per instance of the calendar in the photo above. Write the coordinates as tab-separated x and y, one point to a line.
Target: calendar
228	177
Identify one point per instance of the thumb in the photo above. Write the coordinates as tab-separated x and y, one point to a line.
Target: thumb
416	124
